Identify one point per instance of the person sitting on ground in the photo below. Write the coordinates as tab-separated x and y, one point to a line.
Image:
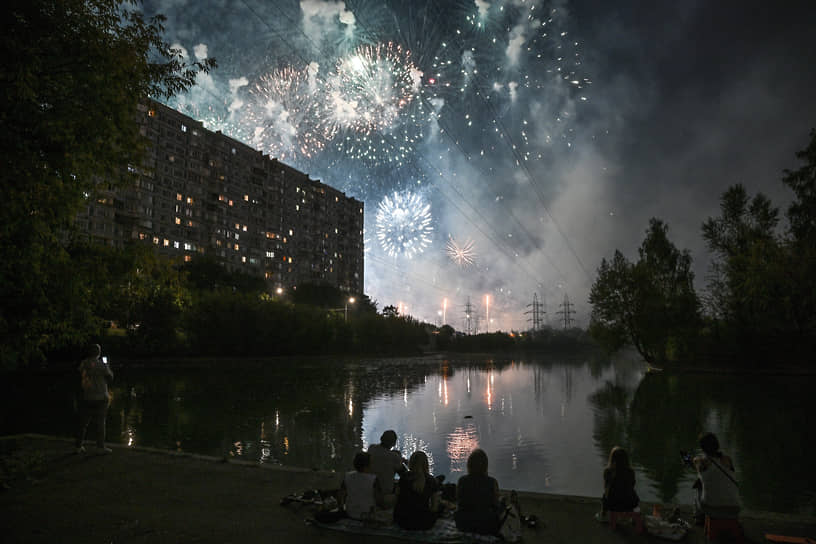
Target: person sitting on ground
418	497
385	463
717	491
478	506
360	491
619	485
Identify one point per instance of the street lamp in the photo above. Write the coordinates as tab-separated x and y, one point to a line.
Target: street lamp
349	301
279	291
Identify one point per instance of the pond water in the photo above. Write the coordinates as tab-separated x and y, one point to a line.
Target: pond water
546	424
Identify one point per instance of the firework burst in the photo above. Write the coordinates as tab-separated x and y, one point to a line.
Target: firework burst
463	255
404	224
286	117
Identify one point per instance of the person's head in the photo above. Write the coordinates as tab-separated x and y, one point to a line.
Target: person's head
388	439
418	463
709	444
94	350
618	458
362	461
477	462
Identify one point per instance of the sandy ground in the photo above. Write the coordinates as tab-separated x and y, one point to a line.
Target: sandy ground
51	494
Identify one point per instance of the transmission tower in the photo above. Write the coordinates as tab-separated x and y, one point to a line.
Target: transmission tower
566	312
536	313
469	317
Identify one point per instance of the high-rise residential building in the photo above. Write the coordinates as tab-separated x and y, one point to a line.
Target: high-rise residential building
201	192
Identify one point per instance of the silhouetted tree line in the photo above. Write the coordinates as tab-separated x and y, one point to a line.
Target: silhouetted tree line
760	300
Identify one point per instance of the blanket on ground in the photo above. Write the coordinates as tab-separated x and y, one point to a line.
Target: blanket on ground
443	531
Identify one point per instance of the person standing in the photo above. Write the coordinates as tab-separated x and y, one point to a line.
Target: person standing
94	374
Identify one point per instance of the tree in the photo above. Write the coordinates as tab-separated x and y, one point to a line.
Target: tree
390	311
74	73
742	239
650	304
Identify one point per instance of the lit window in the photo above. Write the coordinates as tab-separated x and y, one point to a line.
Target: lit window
188	246
246	198
290	260
187	258
166	242
171	158
179	197
230	202
156	240
151	113
189	223
337	199
270	254
178	220
243	259
237	247
221	198
237	235
176	244
237	226
141	236
189	200
297	207
244	228
218	243
233	151
184	128
290	232
270	234
297	189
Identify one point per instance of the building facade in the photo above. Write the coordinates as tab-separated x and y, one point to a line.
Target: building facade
201	192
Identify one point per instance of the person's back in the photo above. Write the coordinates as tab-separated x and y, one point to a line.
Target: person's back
718	478
418	498
360	494
477	498
718	494
619	489
385	462
360	489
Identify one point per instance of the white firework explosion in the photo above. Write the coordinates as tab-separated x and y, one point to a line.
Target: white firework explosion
463	255
404	224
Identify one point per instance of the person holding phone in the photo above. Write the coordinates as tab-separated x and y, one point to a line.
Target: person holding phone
94	373
718	491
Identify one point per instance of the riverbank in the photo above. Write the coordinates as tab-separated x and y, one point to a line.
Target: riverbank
136	495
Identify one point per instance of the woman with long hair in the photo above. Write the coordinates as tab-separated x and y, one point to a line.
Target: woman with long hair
477	498
619	484
418	499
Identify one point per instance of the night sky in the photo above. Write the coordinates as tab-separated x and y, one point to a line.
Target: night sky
542	135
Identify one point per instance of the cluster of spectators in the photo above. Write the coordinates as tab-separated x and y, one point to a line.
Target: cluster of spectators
415	502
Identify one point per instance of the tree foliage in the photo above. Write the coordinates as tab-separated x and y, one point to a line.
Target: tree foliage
651	303
762	290
74	73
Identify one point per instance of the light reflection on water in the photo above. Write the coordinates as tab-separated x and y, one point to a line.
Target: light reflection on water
546	425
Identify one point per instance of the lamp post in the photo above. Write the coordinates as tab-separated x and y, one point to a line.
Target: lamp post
349	301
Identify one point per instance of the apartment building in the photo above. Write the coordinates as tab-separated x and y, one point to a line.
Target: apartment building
201	192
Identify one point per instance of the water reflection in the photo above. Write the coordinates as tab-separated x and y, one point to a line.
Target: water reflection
547	425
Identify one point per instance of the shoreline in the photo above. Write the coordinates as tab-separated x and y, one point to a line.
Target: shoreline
152	495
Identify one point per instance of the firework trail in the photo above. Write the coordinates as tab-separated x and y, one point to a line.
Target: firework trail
404	224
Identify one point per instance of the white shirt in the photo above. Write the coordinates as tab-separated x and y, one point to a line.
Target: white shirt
360	497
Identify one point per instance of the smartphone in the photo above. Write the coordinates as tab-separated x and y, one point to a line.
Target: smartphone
104	359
